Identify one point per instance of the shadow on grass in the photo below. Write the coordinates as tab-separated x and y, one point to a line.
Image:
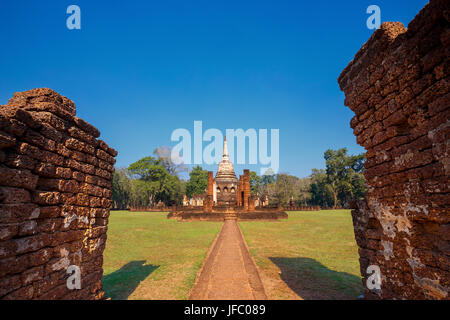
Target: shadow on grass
120	284
311	280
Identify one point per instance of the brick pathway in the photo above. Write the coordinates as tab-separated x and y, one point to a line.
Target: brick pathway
229	272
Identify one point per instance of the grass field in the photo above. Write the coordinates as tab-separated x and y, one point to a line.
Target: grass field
311	255
148	256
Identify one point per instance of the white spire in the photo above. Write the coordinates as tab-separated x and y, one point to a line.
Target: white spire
225	150
225	169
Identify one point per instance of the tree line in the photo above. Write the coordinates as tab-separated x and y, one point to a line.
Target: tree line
154	180
335	186
148	182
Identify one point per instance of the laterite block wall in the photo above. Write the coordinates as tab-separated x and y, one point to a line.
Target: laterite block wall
55	191
398	87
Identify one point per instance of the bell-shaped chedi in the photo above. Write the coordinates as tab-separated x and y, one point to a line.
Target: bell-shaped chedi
225	181
225	170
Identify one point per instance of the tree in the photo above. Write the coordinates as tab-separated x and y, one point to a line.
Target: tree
259	185
342	180
282	189
286	188
163	153
304	192
142	194
198	181
268	178
121	189
154	183
320	191
147	169
255	183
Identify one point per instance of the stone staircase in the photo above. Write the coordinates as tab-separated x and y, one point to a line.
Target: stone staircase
230	216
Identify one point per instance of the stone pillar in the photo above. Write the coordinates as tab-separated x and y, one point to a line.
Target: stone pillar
209	189
246	181
251	204
398	87
55	196
240	189
208	204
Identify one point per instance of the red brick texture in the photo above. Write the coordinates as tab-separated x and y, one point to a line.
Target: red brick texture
398	87
55	191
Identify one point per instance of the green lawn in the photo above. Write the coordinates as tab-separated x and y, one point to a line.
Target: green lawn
311	255
148	256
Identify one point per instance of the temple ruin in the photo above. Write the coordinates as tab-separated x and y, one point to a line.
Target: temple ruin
226	197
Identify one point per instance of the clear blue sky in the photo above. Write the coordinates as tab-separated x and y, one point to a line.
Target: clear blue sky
137	70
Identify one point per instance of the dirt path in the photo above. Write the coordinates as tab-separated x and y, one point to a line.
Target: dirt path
229	272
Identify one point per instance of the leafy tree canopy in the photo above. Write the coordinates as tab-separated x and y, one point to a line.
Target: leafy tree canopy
341	181
198	181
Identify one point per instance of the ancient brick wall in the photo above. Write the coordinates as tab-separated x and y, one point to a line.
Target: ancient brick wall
243	190
398	87
55	181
